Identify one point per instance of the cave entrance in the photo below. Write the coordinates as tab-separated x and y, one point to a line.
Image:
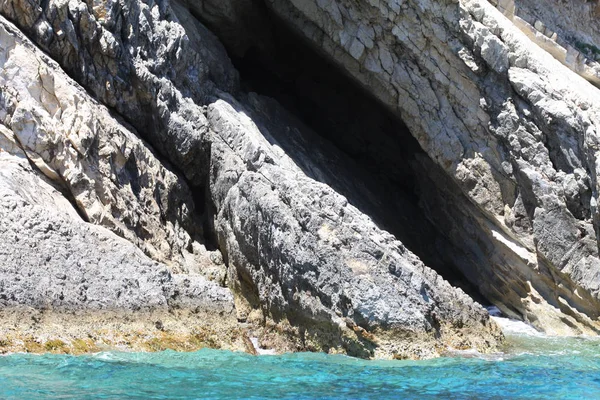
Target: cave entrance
277	62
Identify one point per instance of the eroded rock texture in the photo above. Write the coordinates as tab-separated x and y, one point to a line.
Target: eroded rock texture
302	254
515	130
295	207
52	259
300	258
67	281
566	30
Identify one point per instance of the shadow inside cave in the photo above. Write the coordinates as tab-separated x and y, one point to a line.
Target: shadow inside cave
339	134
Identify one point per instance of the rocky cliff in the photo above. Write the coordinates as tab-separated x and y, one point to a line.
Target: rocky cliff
324	175
514	129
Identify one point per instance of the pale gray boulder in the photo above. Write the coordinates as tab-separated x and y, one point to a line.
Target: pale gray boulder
111	175
152	62
300	253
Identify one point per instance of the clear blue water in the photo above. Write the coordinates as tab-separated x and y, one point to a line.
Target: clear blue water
534	368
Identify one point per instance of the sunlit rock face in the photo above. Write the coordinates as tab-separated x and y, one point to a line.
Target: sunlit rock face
68	171
514	129
330	165
309	270
567	30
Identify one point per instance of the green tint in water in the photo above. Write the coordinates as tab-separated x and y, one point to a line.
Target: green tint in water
548	369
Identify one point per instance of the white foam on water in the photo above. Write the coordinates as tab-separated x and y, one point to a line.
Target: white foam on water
512	326
516	327
105	355
473	353
262	352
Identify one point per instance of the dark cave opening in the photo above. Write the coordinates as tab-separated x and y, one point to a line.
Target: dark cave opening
280	64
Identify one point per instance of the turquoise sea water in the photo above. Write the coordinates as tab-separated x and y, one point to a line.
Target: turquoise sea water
533	368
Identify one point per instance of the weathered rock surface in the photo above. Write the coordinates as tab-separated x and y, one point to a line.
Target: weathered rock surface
508	175
111	175
303	254
566	30
152	62
515	129
52	259
574	22
300	258
64	279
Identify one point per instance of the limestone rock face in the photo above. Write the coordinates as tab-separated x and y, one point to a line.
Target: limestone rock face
301	260
515	130
65	160
152	62
567	30
65	281
51	259
573	22
301	253
498	103
111	175
506	173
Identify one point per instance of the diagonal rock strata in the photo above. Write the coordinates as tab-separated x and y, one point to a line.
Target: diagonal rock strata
513	128
507	175
66	281
363	293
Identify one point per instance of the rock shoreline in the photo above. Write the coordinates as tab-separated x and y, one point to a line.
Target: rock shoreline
29	330
171	203
42	331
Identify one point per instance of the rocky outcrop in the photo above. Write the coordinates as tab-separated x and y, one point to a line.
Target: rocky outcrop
63	280
301	254
303	262
515	130
67	165
109	173
566	30
153	63
52	259
500	184
573	22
